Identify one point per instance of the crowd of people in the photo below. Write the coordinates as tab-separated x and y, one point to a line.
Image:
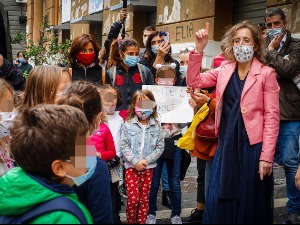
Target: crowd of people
75	142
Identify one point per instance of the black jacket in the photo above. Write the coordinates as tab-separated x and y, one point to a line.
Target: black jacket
113	35
287	64
129	82
92	74
11	74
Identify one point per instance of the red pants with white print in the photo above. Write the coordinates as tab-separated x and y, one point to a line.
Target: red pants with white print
138	186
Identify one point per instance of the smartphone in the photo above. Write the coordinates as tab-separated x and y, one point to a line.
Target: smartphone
165	36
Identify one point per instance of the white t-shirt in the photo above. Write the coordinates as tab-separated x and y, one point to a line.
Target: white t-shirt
115	124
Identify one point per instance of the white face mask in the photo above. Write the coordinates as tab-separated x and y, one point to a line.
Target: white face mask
243	53
109	110
183	70
6	120
145	40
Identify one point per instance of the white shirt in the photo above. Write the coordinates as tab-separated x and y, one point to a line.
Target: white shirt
282	42
115	123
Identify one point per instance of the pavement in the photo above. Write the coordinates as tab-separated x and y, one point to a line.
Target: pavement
189	196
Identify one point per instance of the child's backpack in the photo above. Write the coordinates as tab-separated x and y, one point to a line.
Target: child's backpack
58	204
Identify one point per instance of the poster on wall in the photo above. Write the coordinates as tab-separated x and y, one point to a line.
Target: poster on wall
95	6
66	11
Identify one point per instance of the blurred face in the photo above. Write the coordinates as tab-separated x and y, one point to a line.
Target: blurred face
109	98
184	59
243	37
88	49
7	102
63	83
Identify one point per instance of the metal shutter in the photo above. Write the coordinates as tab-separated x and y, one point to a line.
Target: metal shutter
253	10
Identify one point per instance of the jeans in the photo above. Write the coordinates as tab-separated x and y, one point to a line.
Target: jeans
164	178
288	147
174	183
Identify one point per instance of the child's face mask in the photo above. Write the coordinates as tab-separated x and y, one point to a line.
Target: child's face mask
165	82
143	114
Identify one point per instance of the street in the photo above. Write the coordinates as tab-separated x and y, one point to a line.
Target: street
189	196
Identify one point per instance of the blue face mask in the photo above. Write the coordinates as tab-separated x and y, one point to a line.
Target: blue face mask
183	70
80	180
272	33
143	114
131	61
154	49
21	60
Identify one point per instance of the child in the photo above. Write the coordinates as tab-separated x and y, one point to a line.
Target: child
172	157
125	71
45	85
7	115
111	98
142	144
45	172
95	193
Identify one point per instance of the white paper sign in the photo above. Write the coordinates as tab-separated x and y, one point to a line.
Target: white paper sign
172	103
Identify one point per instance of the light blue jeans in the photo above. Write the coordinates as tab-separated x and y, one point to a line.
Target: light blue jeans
288	148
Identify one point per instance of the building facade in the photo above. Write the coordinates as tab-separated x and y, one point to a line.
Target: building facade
12	19
182	18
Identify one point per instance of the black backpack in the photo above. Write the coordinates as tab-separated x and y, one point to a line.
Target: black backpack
58	204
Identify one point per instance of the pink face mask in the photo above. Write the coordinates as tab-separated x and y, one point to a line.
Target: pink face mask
165	82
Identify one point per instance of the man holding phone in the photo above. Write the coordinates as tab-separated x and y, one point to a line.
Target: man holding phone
283	54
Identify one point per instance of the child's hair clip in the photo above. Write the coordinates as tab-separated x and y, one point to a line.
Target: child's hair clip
159	66
173	65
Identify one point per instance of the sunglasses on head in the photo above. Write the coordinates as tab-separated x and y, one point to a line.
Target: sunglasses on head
189	49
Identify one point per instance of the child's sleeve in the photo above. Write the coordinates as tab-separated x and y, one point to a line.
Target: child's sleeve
110	149
159	149
126	147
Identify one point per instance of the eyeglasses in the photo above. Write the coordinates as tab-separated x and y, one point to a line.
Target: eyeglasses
187	50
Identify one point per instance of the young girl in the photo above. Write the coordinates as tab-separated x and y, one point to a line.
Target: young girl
142	144
125	71
111	98
7	115
45	85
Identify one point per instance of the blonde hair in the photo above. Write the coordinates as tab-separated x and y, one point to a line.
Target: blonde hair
257	37
42	85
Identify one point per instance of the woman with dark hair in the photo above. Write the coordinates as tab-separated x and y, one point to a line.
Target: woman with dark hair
125	71
84	59
159	51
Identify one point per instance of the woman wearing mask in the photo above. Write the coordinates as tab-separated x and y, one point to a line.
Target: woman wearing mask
126	73
247	120
159	51
84	59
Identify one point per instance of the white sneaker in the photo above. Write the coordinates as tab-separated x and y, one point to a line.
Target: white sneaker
151	219
176	220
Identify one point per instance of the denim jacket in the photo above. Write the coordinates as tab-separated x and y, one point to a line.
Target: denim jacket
131	141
